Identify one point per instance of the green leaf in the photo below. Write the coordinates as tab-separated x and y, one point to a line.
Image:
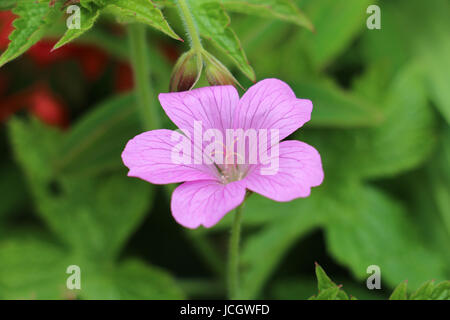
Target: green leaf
433	53
94	215
428	196
131	279
12	189
143	11
440	178
328	290
7	4
429	45
429	191
334	35
35	17
35	158
366	227
93	5
105	211
32	268
441	291
375	43
375	81
334	107
424	292
327	294
325	285
214	25
407	136
301	288
437	70
400	293
293	220
137	280
94	143
404	139
432	43
280	9
323	281
87	20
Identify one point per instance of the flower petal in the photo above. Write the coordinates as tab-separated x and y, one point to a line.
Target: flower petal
205	202
213	106
299	169
149	157
271	104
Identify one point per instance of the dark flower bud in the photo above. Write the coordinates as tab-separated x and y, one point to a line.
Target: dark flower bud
186	72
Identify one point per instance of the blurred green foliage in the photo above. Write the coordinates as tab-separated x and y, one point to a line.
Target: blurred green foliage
328	290
380	122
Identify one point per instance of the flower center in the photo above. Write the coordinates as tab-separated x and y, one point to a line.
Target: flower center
230	170
230	173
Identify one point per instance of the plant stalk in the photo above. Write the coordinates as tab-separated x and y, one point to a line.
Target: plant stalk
139	56
191	26
233	255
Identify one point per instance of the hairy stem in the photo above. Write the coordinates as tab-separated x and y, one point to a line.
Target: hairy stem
189	22
233	255
140	62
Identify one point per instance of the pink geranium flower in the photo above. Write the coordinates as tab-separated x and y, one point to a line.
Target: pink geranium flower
211	190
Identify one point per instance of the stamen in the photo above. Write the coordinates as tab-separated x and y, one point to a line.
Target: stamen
230	171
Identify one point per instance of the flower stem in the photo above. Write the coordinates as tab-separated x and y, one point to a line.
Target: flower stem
233	255
141	68
189	22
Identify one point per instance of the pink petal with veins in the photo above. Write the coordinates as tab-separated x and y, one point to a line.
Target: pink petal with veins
205	202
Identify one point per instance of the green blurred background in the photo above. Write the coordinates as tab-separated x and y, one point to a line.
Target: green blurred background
380	122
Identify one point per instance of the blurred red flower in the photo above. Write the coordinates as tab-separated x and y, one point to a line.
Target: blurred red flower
6	27
48	107
39	101
123	81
